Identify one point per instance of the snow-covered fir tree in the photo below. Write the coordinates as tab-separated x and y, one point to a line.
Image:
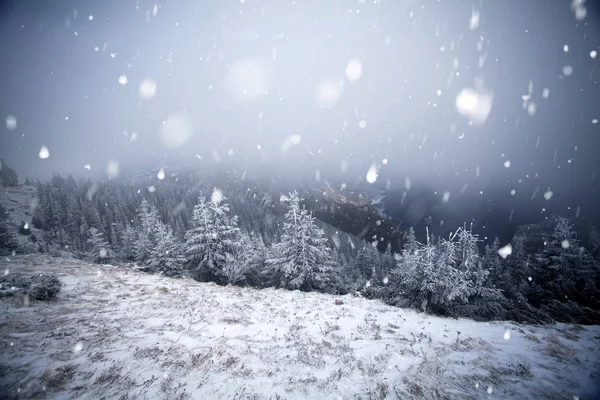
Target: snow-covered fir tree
166	255
563	270
99	246
7	241
148	224
128	243
367	261
303	259
213	239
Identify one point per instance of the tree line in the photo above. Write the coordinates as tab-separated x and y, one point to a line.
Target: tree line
176	229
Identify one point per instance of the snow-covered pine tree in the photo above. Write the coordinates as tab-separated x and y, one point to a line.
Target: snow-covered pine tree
166	255
149	221
7	241
128	239
99	246
563	270
367	260
212	239
303	259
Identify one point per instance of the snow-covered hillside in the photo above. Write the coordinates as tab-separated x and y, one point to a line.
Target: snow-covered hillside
118	333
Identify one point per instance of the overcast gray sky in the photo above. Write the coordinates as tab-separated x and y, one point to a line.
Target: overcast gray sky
445	92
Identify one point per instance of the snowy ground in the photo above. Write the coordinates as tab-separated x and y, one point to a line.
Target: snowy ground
117	333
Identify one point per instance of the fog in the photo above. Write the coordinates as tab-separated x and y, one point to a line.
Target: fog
466	98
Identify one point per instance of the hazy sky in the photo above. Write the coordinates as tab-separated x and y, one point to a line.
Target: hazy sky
433	87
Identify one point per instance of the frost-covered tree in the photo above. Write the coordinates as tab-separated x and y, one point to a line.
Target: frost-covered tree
563	270
7	241
213	239
367	261
166	255
303	259
148	225
444	273
128	241
99	246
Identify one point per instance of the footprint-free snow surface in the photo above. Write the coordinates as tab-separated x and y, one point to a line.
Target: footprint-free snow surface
117	333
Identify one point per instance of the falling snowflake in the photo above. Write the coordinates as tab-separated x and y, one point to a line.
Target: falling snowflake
11	122
385	280
475	105
102	253
161	174
372	174
507	164
362	124
112	168
595	121
474	21
44	153
249	78
147	89
545	93
78	347
176	131
123	80
151	189
507	334
566	48
513	192
505	251
593	53
567	70
548	195
329	92
565	244
446	197
295	139
87	166
354	70
384	161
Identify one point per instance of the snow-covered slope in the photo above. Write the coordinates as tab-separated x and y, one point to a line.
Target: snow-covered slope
117	333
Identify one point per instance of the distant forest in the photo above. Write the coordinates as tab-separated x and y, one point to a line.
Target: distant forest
228	233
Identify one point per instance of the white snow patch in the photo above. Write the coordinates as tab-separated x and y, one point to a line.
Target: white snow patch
271	343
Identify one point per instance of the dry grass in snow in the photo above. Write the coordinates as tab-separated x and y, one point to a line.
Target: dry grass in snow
117	334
